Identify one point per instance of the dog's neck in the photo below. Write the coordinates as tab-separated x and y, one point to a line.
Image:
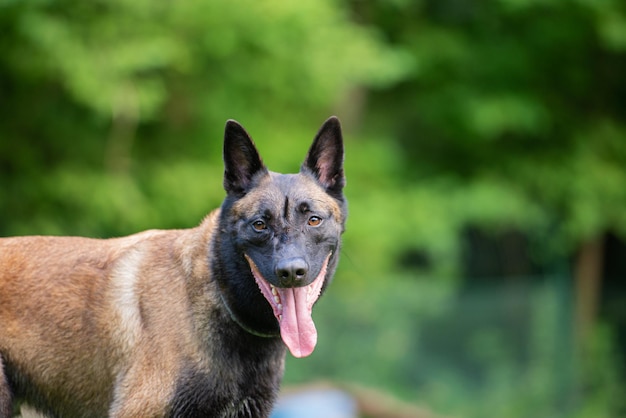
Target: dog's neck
249	330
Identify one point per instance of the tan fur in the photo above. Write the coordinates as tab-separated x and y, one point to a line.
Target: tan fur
73	309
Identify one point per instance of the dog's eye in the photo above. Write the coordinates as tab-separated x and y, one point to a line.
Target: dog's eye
314	221
259	225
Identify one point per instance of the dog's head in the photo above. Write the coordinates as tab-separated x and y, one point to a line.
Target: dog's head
284	233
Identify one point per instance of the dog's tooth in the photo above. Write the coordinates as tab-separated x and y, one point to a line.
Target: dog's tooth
280	307
280	317
276	299
274	291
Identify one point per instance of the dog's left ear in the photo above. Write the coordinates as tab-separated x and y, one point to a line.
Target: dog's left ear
241	159
325	158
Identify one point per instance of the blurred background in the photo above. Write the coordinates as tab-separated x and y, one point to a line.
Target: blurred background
484	265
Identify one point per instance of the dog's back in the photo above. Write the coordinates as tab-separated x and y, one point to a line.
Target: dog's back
75	312
51	297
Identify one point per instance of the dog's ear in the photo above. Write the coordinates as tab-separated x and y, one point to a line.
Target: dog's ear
241	159
325	157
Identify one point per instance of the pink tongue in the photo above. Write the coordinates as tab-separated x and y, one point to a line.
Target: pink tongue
296	327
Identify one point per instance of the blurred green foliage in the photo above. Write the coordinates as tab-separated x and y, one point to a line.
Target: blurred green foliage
499	114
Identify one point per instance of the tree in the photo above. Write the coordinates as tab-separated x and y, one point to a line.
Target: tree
116	96
524	99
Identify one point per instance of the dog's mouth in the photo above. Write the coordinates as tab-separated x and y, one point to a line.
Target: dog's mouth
292	308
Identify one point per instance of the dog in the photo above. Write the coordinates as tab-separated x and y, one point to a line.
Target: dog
177	323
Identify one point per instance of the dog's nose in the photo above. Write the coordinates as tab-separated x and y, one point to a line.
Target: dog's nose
292	271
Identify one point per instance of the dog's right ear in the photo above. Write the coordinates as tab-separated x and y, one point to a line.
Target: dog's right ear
241	159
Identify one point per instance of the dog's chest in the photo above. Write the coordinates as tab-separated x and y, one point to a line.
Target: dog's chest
242	381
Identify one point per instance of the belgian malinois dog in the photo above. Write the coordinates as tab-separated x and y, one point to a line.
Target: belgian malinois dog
179	323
